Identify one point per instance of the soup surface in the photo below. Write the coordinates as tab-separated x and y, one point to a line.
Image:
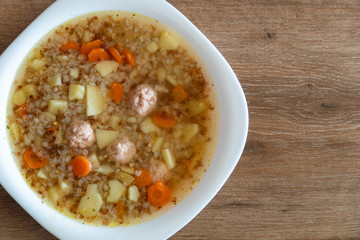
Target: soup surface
112	118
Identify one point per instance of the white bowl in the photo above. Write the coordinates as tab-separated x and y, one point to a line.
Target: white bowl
231	141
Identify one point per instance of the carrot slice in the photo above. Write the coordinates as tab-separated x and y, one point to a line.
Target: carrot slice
80	166
98	54
21	111
116	92
120	210
115	53
129	57
69	45
87	47
32	160
158	194
163	119
179	93
142	177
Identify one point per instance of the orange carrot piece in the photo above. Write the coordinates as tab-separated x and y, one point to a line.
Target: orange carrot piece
32	160
116	92
142	177
87	47
69	45
120	210
115	53
129	57
98	54
163	119
21	111
179	93
80	166
158	194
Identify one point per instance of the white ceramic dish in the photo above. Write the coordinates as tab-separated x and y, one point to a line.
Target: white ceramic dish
232	137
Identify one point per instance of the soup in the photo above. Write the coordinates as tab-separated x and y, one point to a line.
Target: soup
113	119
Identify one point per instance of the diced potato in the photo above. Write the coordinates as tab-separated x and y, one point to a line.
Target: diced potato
36	53
76	92
49	116
167	41
105	137
105	169
127	169
152	47
161	74
106	67
117	189
55	80
43	174
171	80
131	120
169	158
15	132
189	130
147	126
115	122
62	58
56	106
95	101
19	97
64	188
156	145
91	203
161	88
125	178
87	36
133	193
196	107
74	72
54	195
94	160
37	64
30	90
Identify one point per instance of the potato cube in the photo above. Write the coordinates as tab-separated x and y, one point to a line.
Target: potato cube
117	189
55	80
64	188
15	132
90	204
161	74
125	178
106	67
74	72
152	47
43	174
196	107
115	122
36	53
105	137
37	64
133	193
30	90
156	145
94	160
54	195
49	116
189	130
19	98
76	92
105	169
127	169
171	80
169	158
147	126
95	102
167	41
56	106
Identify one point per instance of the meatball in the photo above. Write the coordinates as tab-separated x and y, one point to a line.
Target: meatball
122	150
80	134
159	171
143	99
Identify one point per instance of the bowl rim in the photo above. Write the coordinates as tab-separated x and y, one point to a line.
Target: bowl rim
234	121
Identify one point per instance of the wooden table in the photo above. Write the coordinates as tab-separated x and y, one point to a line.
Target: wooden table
299	65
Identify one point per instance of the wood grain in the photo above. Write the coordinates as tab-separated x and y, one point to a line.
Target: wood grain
299	65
